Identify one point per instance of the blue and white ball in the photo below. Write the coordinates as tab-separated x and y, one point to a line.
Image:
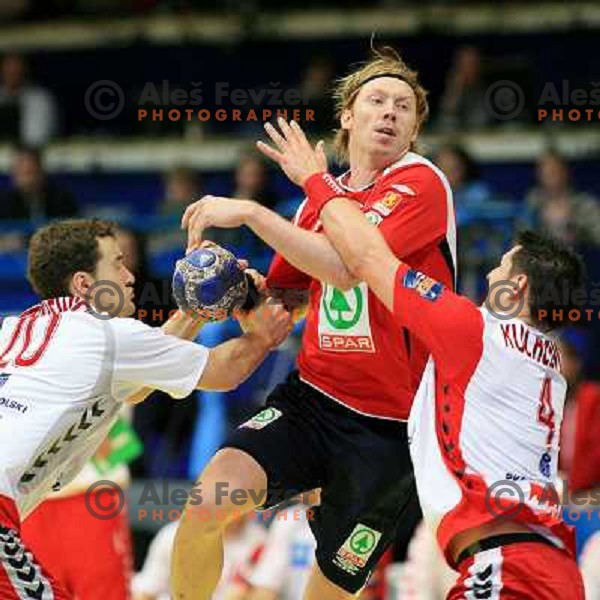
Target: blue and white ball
210	281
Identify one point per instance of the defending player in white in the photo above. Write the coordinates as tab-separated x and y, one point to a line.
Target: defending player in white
66	369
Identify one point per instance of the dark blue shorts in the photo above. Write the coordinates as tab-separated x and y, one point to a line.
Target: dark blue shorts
305	440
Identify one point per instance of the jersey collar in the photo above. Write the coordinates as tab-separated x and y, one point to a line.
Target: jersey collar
56	306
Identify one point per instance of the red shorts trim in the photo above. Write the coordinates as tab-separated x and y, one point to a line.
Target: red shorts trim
21	575
9	515
523	571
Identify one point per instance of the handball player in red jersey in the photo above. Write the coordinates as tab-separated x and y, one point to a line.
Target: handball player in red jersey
339	421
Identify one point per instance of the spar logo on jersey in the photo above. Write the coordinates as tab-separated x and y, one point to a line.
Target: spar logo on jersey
425	286
355	552
344	324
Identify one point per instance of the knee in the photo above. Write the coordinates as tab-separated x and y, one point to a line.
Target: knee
229	487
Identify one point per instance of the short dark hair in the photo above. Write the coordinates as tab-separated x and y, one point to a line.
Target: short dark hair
554	272
60	249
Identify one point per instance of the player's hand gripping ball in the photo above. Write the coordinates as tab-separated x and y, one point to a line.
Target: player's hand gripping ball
210	280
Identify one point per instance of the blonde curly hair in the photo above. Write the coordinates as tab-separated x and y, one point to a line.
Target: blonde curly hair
385	61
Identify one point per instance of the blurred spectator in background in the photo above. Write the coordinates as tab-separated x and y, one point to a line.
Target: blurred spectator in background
243	544
181	186
253	181
315	88
579	448
579	459
28	113
463	101
485	222
424	575
33	196
557	207
284	566
470	192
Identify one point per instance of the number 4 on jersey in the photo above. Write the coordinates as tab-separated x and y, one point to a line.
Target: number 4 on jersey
546	410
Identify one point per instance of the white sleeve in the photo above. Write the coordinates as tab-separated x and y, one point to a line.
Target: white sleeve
153	579
147	357
271	569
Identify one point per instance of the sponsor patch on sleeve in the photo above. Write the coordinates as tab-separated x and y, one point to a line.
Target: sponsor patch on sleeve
388	204
425	286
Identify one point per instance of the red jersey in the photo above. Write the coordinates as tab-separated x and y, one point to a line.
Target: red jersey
352	349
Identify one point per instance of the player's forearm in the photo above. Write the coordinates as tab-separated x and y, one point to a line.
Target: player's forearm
183	325
361	246
232	362
308	251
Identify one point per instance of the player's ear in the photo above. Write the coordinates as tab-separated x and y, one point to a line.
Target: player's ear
80	284
522	282
346	118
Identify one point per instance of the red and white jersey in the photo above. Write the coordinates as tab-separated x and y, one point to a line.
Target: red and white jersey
352	349
483	429
64	374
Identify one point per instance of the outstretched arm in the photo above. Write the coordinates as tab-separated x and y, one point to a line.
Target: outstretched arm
436	315
308	251
147	359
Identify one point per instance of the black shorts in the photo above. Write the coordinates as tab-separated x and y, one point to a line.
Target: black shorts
305	440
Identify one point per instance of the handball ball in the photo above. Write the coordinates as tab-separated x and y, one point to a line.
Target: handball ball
210	280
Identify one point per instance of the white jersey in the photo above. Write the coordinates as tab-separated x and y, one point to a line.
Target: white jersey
64	374
286	562
484	424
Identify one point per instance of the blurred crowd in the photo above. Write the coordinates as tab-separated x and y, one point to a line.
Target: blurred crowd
17	10
35	113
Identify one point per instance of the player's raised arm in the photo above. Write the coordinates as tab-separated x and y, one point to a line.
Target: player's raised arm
432	312
308	251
